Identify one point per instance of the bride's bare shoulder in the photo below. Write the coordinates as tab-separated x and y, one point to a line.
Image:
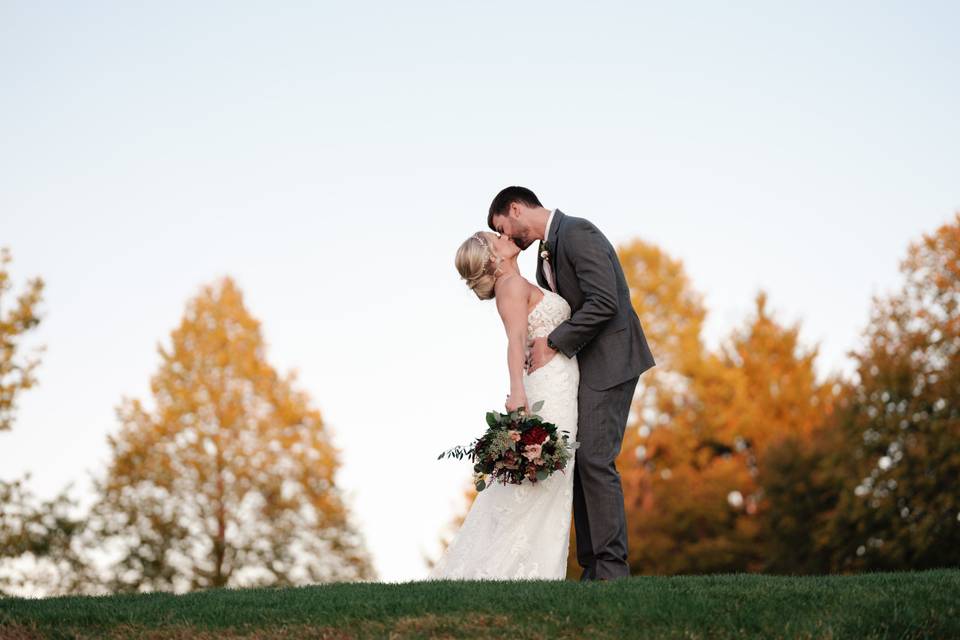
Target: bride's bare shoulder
513	285
512	291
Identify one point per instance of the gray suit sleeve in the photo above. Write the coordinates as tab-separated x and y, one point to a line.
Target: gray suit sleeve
598	282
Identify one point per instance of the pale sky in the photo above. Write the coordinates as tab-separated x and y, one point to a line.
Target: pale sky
331	158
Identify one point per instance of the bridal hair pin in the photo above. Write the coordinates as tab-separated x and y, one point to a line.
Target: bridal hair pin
478	236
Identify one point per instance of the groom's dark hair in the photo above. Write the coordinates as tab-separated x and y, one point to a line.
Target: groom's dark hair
501	204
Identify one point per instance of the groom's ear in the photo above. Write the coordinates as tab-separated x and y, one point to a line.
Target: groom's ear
513	211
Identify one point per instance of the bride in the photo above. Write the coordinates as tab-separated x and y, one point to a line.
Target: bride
518	531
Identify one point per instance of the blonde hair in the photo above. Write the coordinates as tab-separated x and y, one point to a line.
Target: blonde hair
475	265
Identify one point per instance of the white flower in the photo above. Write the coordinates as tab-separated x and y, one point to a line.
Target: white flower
545	254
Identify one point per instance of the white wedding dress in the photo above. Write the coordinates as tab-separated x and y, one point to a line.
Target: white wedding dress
523	531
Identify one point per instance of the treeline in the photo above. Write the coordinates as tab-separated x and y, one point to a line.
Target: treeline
740	459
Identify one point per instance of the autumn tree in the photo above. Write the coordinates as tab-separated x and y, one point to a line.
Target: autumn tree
675	489
802	479
782	420
37	538
703	422
17	369
228	480
900	508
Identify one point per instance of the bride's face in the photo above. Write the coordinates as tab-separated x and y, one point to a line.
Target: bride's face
502	245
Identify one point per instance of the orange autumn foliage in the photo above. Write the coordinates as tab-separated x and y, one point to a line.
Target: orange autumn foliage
703	422
228	480
16	320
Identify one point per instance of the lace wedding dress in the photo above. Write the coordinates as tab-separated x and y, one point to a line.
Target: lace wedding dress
523	531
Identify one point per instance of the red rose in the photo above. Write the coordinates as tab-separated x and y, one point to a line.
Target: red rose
534	435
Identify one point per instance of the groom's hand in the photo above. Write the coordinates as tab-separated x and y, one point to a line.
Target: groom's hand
540	354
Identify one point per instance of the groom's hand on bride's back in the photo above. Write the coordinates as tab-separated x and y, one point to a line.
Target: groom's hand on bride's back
540	355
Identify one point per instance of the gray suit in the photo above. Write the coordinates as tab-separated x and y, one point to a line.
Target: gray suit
604	333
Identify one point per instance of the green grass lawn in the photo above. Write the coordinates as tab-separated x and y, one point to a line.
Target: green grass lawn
880	605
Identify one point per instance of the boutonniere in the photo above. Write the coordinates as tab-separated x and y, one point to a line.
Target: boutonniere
544	253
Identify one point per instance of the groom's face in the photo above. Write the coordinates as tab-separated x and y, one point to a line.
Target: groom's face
514	226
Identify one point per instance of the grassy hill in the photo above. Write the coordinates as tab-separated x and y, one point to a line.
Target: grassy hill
879	605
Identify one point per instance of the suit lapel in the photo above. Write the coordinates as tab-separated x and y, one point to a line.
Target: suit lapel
555	228
554	231
541	276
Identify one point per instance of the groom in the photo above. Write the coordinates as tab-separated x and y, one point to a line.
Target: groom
577	261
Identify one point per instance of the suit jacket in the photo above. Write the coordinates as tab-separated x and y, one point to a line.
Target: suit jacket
603	330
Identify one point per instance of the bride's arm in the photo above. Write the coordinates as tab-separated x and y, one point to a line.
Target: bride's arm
511	297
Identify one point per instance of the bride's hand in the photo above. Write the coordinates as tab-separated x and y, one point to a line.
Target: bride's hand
515	401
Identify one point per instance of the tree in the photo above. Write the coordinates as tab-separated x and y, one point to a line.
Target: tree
900	508
39	539
42	532
802	479
229	479
16	372
676	471
703	423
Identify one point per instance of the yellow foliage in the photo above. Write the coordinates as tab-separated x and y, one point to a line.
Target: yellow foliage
229	479
702	423
16	373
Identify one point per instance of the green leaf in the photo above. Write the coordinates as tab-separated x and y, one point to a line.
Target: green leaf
491	419
481	485
542	475
537	406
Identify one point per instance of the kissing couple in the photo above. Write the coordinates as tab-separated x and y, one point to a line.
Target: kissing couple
575	343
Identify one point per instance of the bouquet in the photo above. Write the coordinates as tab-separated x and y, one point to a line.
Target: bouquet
516	446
